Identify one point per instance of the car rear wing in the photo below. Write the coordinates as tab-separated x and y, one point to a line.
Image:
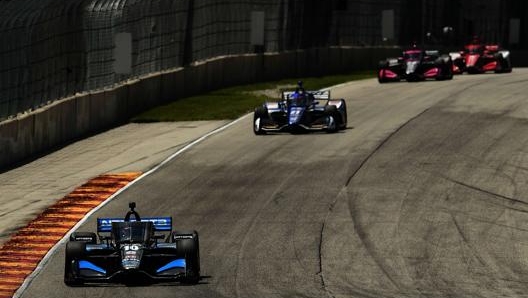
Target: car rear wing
432	53
161	224
492	47
317	94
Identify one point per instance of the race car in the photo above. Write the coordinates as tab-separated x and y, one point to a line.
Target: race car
132	250
416	65
301	111
479	58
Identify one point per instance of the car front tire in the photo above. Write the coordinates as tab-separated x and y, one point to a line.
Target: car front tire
190	248
74	251
330	113
258	116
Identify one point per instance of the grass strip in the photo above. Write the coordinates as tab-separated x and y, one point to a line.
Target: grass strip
233	102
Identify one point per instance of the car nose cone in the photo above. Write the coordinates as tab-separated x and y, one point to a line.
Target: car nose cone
411	67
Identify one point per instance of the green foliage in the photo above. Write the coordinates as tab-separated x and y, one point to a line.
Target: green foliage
233	102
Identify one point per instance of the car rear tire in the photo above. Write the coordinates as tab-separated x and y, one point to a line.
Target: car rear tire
74	251
190	248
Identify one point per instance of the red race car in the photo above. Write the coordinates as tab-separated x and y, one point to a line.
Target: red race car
479	58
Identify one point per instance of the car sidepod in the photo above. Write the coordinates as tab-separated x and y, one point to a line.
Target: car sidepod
390	70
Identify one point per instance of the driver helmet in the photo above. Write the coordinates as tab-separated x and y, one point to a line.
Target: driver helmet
298	94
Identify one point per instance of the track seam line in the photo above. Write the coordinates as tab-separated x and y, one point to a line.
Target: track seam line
383	143
332	205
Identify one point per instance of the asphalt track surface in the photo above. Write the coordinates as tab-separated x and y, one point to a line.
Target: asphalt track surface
424	195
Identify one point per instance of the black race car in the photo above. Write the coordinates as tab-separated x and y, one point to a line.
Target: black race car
301	111
416	65
132	250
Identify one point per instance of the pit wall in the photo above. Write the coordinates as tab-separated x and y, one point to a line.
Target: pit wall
29	136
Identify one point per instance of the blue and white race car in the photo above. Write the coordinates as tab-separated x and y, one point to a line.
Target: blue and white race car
132	250
301	111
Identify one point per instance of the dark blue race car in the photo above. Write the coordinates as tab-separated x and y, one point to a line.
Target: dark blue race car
301	111
132	251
